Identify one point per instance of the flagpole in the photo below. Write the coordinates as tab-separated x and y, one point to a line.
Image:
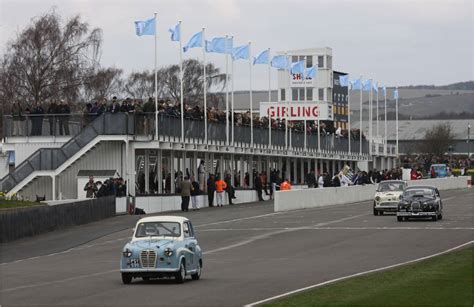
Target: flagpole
287	98
360	116
377	110
349	114
370	117
226	92
305	100
396	119
156	85
232	96
251	99
205	83
385	134
269	100
181	81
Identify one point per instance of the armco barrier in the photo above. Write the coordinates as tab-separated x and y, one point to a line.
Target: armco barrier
29	221
312	198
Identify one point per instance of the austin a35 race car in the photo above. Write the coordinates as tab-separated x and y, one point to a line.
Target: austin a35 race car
420	201
162	246
387	195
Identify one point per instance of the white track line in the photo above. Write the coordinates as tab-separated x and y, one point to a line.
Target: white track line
355	275
338	228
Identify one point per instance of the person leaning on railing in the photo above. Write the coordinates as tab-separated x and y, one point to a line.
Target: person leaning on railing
18	119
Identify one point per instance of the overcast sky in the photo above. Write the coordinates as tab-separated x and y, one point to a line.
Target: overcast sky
395	42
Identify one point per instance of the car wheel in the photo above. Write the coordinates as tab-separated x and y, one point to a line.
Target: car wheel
376	212
399	218
126	278
440	216
181	274
434	218
197	275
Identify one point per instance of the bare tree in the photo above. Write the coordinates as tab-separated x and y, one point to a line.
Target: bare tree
104	83
437	139
50	59
141	85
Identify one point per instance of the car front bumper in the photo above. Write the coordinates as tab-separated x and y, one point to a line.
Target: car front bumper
150	270
386	206
417	214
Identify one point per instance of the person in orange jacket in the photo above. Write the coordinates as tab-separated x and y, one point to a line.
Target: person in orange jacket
221	186
285	185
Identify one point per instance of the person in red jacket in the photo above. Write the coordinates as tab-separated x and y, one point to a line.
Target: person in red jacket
221	186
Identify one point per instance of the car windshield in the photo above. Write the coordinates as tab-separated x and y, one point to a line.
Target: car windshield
426	192
390	186
150	229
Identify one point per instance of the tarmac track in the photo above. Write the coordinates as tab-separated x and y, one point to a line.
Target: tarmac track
251	253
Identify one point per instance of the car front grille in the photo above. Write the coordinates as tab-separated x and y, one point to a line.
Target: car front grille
415	206
148	258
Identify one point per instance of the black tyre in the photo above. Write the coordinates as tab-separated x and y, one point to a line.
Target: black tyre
434	218
376	212
440	216
126	278
197	275
181	274
399	218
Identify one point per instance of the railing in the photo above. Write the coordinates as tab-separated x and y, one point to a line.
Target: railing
88	128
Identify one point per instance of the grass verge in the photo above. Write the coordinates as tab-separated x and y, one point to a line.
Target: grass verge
17	204
445	280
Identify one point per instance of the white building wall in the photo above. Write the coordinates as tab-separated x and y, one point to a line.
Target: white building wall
105	156
24	150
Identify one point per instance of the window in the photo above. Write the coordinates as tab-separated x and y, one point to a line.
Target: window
321	61
294	59
329	93
282	94
321	94
309	94
187	232
294	94
334	98
329	62
309	61
301	93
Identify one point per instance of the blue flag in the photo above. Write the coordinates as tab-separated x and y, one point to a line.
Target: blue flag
310	72
262	58
241	52
395	94
356	84
280	62
146	27
344	80
219	45
176	33
297	68
375	86
194	41
367	85
384	89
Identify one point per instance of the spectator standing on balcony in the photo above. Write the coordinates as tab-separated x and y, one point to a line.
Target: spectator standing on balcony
65	112
211	188
149	110
37	119
115	106
18	119
91	188
185	188
195	191
220	190
52	111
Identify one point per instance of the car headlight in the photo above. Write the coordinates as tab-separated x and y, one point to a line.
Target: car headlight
377	198
168	252
127	253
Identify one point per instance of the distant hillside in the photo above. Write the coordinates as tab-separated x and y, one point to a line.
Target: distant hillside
468	85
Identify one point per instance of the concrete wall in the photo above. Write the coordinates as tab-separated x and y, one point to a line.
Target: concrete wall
17	223
311	198
155	204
